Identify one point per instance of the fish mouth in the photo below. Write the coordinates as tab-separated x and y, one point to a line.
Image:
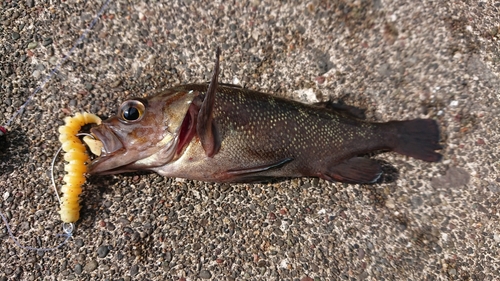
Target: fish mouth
107	162
117	157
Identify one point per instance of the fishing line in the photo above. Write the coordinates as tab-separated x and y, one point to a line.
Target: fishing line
67	228
3	129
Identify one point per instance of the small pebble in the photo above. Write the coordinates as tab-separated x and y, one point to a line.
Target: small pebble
361	253
168	257
89	86
36	74
32	45
53	60
102	251
134	270
417	201
47	41
78	269
116	83
110	226
320	79
90	266
15	35
165	265
389	203
205	274
119	256
79	243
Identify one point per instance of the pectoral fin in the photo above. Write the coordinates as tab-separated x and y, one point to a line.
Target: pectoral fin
205	125
258	169
354	170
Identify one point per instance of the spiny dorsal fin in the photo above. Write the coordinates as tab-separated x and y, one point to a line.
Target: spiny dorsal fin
205	125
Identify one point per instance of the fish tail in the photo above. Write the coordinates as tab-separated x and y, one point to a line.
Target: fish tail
418	138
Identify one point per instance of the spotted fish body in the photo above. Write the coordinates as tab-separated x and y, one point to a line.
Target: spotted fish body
231	134
260	131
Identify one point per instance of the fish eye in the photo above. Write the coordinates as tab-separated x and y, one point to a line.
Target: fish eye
132	111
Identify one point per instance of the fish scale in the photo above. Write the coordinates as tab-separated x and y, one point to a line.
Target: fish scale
256	131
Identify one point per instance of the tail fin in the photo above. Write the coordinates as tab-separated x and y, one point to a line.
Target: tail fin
417	138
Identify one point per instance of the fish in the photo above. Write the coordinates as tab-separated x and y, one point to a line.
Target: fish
217	132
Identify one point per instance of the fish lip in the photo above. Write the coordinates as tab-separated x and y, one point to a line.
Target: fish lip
111	145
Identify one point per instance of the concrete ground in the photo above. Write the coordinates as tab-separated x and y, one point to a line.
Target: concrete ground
398	59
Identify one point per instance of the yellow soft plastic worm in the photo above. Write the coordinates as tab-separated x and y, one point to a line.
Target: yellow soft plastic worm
76	157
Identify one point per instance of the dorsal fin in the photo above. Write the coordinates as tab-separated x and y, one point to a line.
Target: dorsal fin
344	109
205	126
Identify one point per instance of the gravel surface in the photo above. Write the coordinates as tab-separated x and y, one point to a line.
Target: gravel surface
398	59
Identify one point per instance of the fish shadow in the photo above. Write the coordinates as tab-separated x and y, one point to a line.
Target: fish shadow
92	198
102	182
389	172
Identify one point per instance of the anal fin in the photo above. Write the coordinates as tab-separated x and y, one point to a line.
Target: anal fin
354	170
258	169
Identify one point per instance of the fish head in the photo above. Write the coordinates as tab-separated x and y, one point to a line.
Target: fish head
143	134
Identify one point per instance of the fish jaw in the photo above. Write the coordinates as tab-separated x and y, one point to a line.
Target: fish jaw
142	145
118	156
111	147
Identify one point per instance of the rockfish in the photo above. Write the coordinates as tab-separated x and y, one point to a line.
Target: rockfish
224	133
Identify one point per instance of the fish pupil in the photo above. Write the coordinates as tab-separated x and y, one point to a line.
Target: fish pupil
131	113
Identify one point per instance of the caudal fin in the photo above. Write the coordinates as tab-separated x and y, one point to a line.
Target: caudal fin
418	138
